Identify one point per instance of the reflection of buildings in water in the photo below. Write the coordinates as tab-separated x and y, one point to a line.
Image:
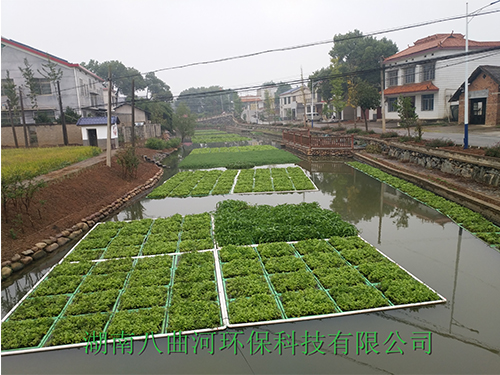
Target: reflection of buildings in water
330	166
395	198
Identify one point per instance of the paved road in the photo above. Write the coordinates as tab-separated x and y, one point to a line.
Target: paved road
479	135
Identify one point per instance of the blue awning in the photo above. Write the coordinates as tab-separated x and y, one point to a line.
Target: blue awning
85	121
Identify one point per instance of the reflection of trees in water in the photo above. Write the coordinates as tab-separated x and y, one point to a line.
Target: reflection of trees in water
356	197
13	293
134	211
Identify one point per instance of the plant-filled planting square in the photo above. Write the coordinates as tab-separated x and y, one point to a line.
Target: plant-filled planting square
239	223
274	264
194	302
213	182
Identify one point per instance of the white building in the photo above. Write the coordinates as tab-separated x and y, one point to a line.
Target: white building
425	73
292	103
81	89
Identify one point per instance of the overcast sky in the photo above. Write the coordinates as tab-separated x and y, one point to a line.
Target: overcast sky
156	34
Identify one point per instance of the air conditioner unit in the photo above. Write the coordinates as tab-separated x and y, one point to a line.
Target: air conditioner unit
4	107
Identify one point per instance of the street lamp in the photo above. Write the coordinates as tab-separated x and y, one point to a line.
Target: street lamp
466	82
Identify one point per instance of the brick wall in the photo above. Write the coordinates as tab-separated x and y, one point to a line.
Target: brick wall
492	101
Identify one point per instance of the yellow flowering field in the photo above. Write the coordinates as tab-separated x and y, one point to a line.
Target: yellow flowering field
37	161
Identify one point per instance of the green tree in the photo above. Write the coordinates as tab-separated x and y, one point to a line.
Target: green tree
406	112
9	89
160	112
361	55
367	97
30	82
156	89
269	106
70	115
184	121
237	105
207	101
121	76
52	72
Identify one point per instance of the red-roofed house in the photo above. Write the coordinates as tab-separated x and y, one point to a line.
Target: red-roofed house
251	108
81	89
426	74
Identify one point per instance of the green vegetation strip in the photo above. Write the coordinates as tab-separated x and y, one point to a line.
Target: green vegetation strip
216	136
256	155
160	290
466	218
213	182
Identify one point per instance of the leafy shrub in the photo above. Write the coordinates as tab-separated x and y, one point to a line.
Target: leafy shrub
353	131
406	139
391	134
493	151
155	144
373	149
129	161
439	142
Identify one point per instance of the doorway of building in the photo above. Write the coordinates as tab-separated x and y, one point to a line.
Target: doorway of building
92	135
478	112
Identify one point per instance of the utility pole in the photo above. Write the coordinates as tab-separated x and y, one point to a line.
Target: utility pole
382	87
63	118
312	104
133	115
26	141
466	82
12	124
108	140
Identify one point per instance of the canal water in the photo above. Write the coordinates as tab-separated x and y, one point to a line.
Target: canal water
461	336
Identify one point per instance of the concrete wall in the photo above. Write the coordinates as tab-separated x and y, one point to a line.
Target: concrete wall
47	135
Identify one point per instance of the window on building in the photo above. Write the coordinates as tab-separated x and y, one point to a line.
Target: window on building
428	102
83	88
390	104
393	77
43	86
428	72
410	75
93	100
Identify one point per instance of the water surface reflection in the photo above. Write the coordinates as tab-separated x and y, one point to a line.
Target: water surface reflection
462	268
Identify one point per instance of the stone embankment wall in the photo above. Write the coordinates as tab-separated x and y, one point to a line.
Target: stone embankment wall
483	169
69	236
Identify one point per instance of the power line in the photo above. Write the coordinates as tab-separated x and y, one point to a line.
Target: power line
488	52
400	28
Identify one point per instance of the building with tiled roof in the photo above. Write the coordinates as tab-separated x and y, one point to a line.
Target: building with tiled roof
484	96
426	73
81	90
